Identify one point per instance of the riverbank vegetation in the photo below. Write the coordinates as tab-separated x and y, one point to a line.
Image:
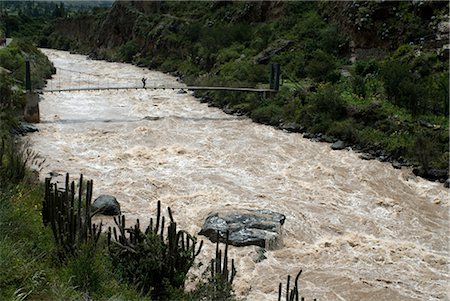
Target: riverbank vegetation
372	74
392	102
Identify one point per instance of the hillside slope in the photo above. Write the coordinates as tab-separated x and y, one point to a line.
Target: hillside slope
373	74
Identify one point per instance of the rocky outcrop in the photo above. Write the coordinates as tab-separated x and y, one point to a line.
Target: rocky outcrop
246	227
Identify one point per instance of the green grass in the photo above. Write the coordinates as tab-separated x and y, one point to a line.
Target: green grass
28	261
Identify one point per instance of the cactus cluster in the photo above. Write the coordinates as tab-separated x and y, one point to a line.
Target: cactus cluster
291	294
153	258
69	216
220	269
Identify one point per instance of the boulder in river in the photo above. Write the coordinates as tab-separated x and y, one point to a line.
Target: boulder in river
24	128
291	127
338	145
246	227
106	205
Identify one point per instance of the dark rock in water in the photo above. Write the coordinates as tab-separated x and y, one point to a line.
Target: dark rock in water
291	127
437	174
447	183
367	157
246	227
229	111
327	139
106	205
338	145
181	91
152	118
308	135
54	174
204	99
432	174
24	128
396	165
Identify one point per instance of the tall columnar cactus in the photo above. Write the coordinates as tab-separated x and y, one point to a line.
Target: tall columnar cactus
291	294
152	257
219	268
69	217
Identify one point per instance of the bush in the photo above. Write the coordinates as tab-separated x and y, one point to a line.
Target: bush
329	101
402	86
424	150
321	66
128	50
270	114
347	130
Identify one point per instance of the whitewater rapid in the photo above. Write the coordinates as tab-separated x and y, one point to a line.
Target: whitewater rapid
359	230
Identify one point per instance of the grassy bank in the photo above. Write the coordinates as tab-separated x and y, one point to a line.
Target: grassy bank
30	267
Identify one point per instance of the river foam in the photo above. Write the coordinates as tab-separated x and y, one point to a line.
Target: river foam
359	230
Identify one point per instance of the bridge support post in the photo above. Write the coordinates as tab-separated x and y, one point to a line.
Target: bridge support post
275	76
31	112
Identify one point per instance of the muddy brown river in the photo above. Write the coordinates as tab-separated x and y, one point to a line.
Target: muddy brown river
359	230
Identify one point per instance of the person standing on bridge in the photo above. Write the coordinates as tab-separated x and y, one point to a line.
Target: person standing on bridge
143	82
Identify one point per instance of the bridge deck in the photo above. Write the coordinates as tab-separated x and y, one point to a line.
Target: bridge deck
194	88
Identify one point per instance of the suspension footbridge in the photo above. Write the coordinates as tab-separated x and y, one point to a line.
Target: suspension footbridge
84	81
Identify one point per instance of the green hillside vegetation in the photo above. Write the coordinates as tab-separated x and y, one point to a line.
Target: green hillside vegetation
390	104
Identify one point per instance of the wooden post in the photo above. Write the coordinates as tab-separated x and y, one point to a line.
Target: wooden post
276	83
27	76
272	76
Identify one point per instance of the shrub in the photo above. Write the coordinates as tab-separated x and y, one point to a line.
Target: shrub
346	130
424	150
321	66
401	85
270	114
128	50
328	100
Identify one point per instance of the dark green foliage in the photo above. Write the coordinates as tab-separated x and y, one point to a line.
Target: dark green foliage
328	101
13	58
364	68
13	160
402	85
270	114
128	50
155	260
424	150
85	270
322	67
